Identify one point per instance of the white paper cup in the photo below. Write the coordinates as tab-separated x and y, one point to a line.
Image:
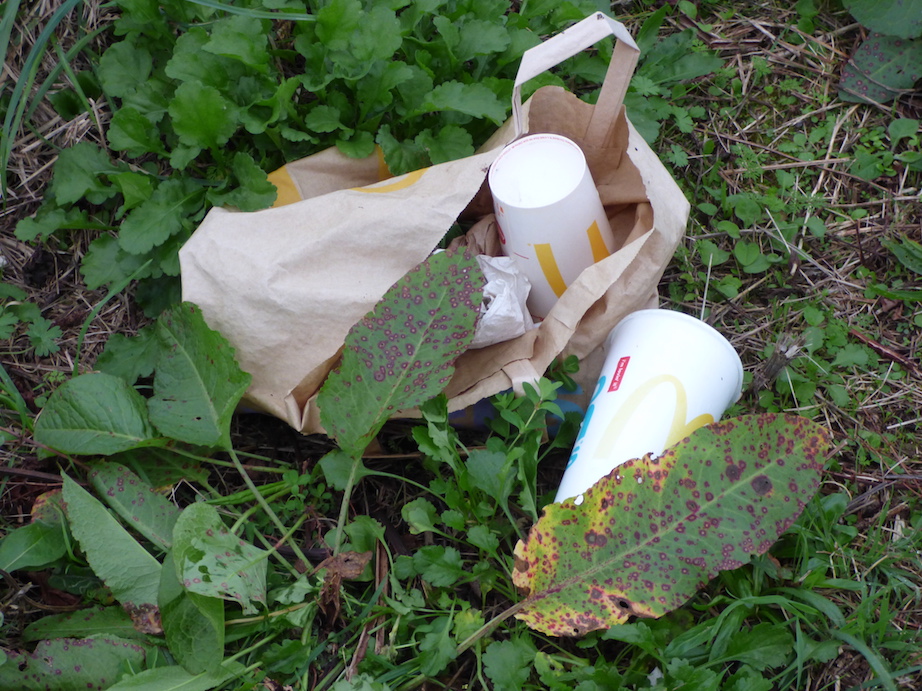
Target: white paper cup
665	375
550	217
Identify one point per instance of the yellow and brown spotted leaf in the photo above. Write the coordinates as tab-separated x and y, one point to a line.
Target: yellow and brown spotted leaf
654	531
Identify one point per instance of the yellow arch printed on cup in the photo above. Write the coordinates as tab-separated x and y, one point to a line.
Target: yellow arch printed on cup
548	263
680	428
597	242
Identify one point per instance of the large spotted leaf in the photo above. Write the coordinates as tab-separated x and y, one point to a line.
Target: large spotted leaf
654	531
402	353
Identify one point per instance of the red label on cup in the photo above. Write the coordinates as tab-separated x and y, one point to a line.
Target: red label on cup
619	373
502	237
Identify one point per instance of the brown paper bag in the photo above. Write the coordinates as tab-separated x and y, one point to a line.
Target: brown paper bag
285	285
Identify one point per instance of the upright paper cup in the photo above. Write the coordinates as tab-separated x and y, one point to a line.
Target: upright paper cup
550	217
665	375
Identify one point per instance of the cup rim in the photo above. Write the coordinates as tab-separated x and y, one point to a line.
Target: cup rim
524	141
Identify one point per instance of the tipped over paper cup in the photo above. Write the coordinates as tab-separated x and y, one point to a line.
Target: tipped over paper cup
550	217
665	375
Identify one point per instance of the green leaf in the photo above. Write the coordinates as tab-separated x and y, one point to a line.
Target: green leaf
451	144
138	504
325	119
106	262
193	624
77	175
901	128
763	646
43	335
32	546
851	355
130	358
710	253
253	190
403	352
197	384
475	100
438	565
908	252
131	132
213	562
69	664
241	38
47	220
900	18
881	67
437	648
337	466
94	414
336	22
123	67
420	515
107	621
489	472
508	664
178	679
126	568
705	505
201	116
161	216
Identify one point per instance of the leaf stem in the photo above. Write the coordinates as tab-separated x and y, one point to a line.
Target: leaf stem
487	628
261	500
344	506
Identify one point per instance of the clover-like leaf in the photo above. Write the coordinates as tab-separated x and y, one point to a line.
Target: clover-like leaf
402	353
651	533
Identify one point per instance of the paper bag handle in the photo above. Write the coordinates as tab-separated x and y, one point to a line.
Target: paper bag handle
565	45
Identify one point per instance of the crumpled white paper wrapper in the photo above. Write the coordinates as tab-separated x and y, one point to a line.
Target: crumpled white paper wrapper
503	314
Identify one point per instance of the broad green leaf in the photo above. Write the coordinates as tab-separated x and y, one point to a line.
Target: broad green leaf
403	352
160	467
138	504
440	566
437	648
337	466
131	132
178	679
901	128
106	262
902	18
126	568
763	646
130	358
252	190
471	99
32	546
706	505
95	414
193	624
71	664
450	144
161	216
908	252
108	621
489	472
202	117
123	67
212	561
241	38
198	383
881	67
420	515
77	174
